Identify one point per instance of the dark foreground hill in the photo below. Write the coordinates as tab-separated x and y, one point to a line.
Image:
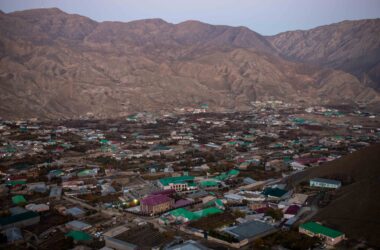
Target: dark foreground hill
356	208
58	65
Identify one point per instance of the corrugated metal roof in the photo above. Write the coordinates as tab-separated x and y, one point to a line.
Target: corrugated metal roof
188	245
209	183
155	200
17	217
75	211
17	199
181	212
274	192
182	203
249	229
178	179
16	182
79	235
208	211
320	229
76	224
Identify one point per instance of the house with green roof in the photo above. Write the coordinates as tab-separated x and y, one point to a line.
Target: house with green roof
209	183
13	183
233	172
18	199
215	203
23	129
178	183
87	172
222	177
104	142
79	235
67	145
159	149
207	212
184	215
10	149
132	118
204	106
275	193
55	173
108	148
227	175
298	121
330	236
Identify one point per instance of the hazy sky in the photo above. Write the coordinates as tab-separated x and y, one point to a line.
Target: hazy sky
264	16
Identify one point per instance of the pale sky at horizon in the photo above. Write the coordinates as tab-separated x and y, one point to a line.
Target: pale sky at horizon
267	17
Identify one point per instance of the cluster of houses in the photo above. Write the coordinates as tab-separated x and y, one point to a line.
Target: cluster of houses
197	203
174	169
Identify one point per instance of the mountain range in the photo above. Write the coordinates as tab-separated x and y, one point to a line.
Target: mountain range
59	65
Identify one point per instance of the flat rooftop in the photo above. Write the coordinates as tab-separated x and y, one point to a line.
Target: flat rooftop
250	230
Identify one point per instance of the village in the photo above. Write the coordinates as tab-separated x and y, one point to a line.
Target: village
189	179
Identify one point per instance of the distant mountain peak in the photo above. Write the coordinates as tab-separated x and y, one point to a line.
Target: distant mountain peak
155	21
193	23
40	11
70	65
352	46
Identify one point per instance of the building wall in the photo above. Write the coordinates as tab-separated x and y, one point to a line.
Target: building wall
256	205
118	244
334	241
303	231
323	184
178	187
288	216
158	208
328	240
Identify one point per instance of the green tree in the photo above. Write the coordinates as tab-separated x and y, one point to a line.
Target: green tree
276	214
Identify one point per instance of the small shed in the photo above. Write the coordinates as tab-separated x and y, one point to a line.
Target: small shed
75	211
77	225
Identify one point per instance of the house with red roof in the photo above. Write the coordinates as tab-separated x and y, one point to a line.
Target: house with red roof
155	204
291	211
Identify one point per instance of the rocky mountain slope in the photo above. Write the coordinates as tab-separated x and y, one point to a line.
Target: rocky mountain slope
352	46
56	65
